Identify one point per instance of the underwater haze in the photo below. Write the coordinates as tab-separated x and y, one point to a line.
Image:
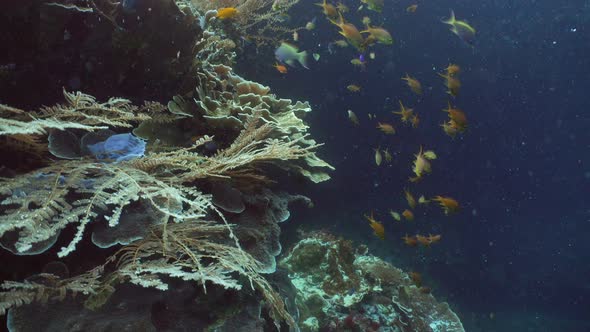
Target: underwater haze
449	139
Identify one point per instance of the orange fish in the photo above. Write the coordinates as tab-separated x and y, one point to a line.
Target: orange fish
350	32
409	215
423	240
410	240
386	128
329	10
434	238
280	68
458	117
405	113
453	69
452	83
414	84
377	227
415	121
226	13
412	8
448	204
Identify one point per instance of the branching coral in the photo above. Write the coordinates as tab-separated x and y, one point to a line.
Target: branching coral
257	19
118	162
36	206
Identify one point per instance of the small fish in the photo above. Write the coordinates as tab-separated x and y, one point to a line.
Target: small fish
311	24
415	121
430	155
461	28
379	34
328	9
280	68
412	8
421	166
409	215
378	157
410	199
375	5
405	113
414	84
372	55
387	155
448	204
353	88
358	63
226	13
316	56
350	32
453	69
386	128
450	128
423	200
452	83
289	54
434	238
352	117
423	240
340	43
457	116
395	215
377	227
410	240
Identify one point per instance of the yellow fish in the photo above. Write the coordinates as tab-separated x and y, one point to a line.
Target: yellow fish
421	165
387	155
410	198
414	84
377	227
378	157
353	88
376	5
405	113
395	215
353	118
412	8
461	28
226	13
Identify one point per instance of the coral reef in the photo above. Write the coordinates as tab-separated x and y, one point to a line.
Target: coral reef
149	201
343	288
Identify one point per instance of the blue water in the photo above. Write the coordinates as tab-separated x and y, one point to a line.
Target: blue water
517	256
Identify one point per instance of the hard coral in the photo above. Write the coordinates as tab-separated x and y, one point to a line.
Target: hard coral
360	292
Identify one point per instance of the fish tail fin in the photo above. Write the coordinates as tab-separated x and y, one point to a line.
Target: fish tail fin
451	20
302	58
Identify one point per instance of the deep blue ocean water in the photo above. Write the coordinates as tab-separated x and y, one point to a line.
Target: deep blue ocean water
517	256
